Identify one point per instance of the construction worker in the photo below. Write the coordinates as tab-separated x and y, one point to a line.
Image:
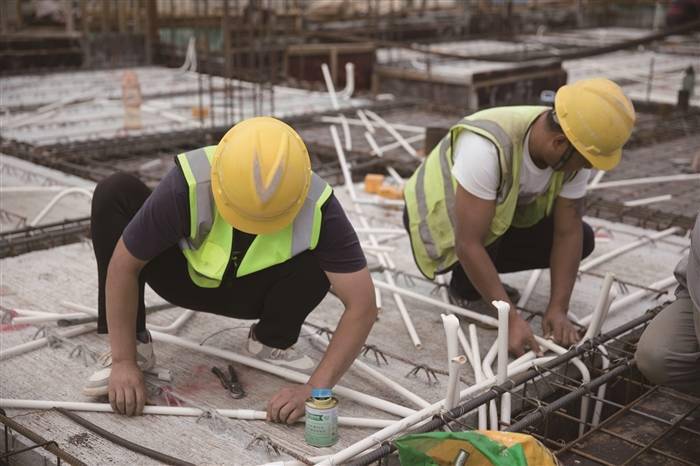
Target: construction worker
503	192
243	229
668	352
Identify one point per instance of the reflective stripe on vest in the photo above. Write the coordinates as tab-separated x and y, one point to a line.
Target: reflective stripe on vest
431	207
208	246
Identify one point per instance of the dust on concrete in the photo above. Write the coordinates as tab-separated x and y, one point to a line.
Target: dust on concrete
80	440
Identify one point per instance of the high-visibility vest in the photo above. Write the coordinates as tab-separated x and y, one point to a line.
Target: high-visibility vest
208	246
430	192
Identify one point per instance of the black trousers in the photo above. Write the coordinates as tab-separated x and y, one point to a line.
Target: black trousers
518	249
281	296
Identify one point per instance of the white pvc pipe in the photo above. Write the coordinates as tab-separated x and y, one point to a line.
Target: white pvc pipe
30	189
478	374
407	422
487	370
399	138
383	258
647	180
376	150
601	309
285	373
585	378
45	319
648	200
349	81
502	364
596	179
27	312
529	288
593	262
598	406
379	150
175	325
244	414
354	122
634	297
395	175
455	368
171	328
447	306
379	377
39	342
363	118
329	85
451	325
57	198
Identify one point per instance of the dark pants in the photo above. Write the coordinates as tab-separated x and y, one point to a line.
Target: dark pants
281	296
518	249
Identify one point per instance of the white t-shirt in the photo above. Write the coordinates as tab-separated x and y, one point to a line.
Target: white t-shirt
476	169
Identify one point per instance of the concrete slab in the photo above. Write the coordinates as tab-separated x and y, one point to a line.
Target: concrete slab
41	280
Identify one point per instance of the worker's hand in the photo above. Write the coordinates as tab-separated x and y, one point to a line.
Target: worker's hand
520	336
557	326
288	404
127	392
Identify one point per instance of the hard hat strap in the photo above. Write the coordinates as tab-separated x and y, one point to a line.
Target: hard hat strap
565	158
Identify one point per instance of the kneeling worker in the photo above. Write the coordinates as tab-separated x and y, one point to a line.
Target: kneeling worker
669	349
243	229
503	192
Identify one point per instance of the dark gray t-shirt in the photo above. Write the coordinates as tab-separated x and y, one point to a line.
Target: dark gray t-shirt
164	219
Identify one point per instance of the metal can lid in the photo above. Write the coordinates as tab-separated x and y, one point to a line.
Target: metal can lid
321	393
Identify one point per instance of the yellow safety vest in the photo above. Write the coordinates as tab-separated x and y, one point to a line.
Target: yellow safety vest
430	192
208	246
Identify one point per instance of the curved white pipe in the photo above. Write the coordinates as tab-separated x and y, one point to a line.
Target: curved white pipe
245	414
585	378
171	328
349	81
57	198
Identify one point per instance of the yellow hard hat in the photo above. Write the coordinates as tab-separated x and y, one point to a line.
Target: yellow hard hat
260	175
597	118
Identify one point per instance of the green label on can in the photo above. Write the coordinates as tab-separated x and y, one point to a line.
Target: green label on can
321	428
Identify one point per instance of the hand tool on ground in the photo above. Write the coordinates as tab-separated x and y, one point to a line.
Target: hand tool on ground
230	382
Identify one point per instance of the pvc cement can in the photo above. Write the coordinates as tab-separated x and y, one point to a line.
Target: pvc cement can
321	428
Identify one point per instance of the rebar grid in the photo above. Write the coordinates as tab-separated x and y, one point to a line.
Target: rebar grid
588	348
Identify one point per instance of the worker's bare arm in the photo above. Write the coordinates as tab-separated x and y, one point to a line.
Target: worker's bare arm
126	387
564	262
473	217
356	292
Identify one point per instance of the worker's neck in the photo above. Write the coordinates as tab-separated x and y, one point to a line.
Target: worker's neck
537	142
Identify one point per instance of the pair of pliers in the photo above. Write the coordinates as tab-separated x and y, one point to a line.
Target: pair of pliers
230	382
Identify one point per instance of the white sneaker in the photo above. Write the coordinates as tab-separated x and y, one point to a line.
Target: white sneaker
289	357
98	383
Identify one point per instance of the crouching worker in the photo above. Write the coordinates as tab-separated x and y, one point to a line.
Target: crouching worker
243	229
669	349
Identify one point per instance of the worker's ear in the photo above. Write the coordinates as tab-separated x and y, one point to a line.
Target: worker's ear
559	143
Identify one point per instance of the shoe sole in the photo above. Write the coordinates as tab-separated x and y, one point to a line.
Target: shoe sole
95	391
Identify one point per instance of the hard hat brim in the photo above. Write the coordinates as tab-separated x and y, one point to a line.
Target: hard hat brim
602	162
251	225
